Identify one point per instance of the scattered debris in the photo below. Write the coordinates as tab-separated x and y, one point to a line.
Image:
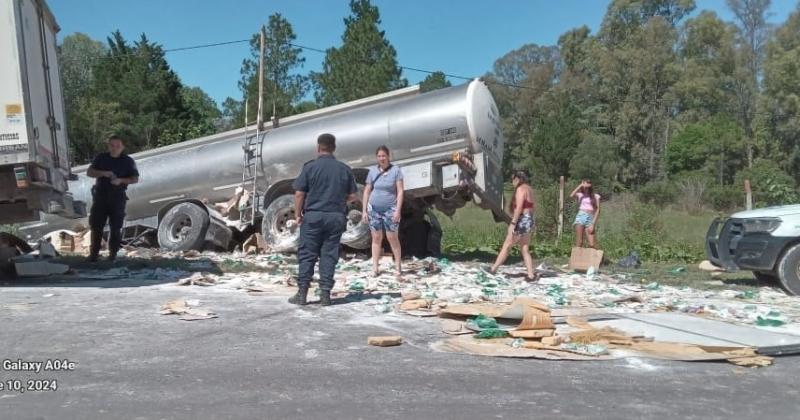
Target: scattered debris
187	309
385	341
412	305
514	318
552	341
707	265
198	279
39	268
630	261
255	244
407	295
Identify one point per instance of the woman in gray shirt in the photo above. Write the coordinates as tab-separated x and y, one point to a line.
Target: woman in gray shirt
383	203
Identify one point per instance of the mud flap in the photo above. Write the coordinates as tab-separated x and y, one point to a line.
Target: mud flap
485	180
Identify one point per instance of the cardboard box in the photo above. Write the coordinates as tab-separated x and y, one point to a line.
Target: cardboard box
583	258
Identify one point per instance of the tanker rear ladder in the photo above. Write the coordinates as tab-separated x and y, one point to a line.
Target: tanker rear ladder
252	157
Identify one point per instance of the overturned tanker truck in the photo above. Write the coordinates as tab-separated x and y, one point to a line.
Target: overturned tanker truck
448	143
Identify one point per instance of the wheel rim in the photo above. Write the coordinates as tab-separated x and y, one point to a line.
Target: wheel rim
180	228
282	222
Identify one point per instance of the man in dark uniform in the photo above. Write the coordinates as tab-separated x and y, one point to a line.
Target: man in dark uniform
322	192
114	171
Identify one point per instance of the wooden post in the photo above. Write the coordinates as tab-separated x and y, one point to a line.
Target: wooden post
560	206
260	117
748	193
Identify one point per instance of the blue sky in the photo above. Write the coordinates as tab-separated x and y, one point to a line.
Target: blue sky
458	37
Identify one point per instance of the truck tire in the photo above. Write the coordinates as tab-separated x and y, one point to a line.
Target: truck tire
421	237
789	270
183	228
434	236
278	225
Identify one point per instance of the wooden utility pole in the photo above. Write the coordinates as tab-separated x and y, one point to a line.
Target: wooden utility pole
560	206
748	194
260	117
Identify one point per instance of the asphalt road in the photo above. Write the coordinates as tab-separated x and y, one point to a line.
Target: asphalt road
263	358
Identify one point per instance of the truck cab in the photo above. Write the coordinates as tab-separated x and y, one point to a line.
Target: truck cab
765	241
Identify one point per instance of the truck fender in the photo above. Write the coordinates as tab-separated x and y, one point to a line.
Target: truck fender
284	186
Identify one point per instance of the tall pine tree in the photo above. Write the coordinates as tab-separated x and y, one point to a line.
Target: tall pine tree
365	64
282	88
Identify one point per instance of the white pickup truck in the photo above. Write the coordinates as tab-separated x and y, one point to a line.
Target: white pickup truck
765	241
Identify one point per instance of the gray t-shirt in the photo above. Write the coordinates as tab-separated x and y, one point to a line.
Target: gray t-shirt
384	187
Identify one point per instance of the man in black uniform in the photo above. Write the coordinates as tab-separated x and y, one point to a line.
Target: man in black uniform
114	171
322	192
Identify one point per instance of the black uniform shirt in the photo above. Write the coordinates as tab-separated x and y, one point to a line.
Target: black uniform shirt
122	167
327	183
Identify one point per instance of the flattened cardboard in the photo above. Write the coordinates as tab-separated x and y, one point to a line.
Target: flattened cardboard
514	311
501	348
583	258
531	333
385	341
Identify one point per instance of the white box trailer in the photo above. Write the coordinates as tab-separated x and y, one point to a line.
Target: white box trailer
34	148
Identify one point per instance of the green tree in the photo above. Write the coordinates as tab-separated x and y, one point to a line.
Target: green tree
713	146
77	56
556	134
202	117
435	80
283	88
232	114
92	121
751	19
202	108
771	185
624	17
596	158
782	95
634	81
365	64
139	78
708	53
519	80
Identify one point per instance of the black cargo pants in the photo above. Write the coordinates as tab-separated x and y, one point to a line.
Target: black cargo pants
320	233
107	208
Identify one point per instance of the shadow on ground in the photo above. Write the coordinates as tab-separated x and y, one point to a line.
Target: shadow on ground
126	272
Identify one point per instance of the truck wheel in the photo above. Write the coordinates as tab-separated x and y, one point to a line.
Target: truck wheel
434	235
789	270
356	235
278	225
183	228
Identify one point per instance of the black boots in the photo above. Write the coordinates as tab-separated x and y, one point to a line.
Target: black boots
325	297
300	297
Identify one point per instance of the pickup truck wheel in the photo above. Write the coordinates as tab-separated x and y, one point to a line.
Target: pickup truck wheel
356	234
789	270
278	225
183	228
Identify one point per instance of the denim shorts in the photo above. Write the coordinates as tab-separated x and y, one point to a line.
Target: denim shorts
584	219
382	220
